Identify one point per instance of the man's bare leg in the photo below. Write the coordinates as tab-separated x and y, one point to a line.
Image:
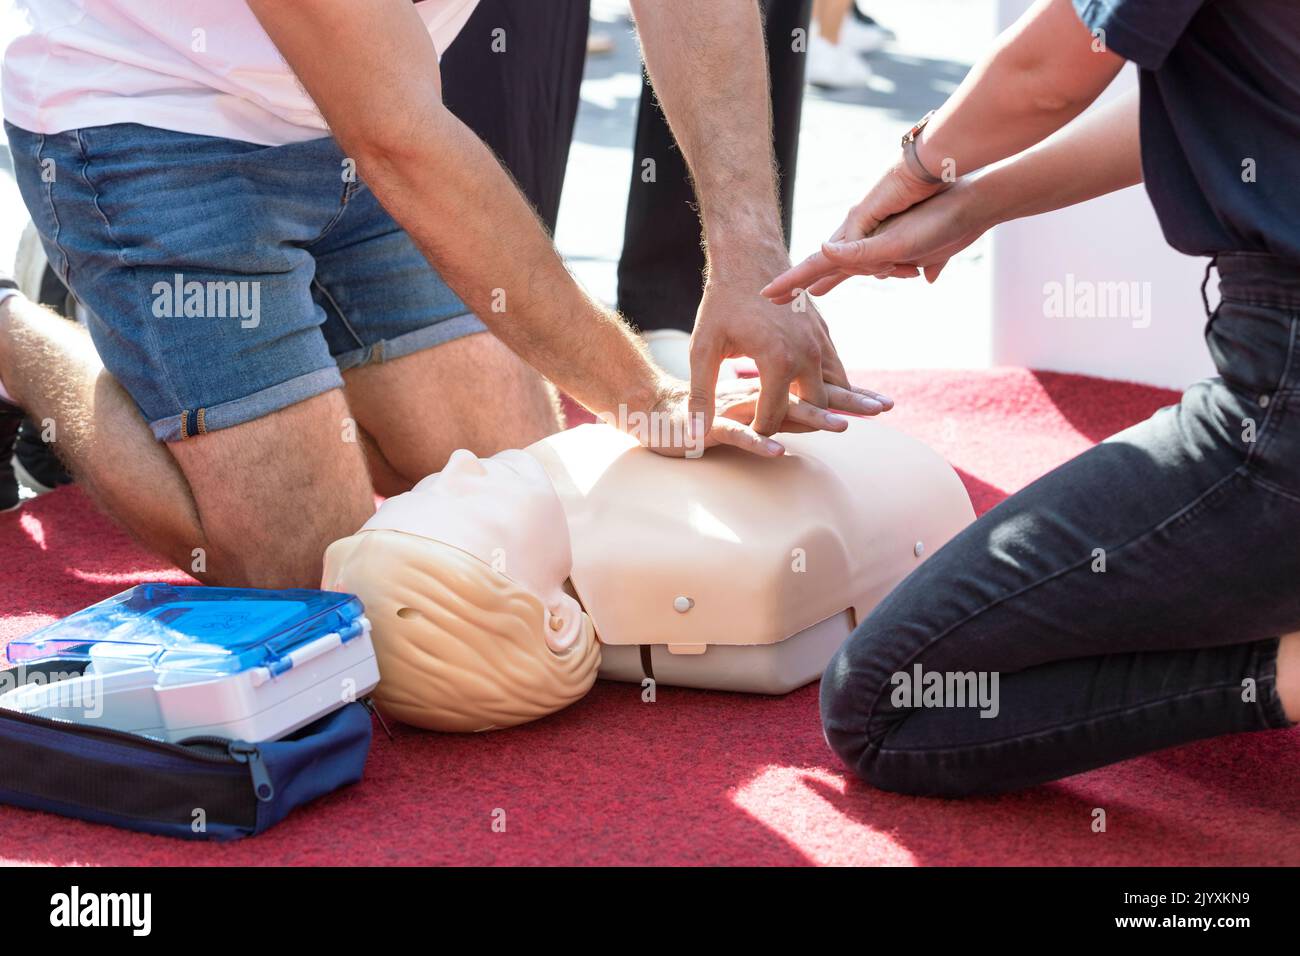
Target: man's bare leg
470	393
829	15
272	494
253	505
51	368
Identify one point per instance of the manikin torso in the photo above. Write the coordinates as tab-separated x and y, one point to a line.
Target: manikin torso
692	567
733	549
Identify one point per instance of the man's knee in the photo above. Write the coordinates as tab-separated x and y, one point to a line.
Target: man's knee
282	552
264	562
273	493
472	392
519	408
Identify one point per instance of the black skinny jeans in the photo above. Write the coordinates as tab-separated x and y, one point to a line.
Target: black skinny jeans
1128	601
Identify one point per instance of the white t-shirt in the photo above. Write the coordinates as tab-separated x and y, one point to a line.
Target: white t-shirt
194	66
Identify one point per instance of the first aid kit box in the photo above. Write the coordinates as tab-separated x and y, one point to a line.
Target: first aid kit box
177	662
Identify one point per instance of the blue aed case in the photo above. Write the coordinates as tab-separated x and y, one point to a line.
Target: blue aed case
176	662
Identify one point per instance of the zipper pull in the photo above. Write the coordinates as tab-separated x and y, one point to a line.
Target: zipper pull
369	704
244	752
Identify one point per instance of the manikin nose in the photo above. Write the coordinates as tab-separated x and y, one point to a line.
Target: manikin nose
464	462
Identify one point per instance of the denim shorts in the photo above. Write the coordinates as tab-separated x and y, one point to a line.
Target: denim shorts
227	280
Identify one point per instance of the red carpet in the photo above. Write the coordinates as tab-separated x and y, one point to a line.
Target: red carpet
696	777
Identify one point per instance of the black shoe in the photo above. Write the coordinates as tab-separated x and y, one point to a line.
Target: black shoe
35	463
11	416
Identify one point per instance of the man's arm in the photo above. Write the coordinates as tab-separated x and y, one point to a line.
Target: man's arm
372	70
708	66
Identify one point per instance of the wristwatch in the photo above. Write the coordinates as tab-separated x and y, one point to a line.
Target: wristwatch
909	152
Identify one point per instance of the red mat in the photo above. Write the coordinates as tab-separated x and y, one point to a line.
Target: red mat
698	777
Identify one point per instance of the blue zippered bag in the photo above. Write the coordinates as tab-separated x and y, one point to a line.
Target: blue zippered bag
203	788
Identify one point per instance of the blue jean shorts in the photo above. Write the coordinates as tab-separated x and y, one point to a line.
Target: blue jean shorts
227	280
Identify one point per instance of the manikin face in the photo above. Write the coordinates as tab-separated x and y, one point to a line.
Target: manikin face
503	511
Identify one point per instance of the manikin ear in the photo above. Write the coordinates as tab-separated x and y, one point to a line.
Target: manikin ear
563	623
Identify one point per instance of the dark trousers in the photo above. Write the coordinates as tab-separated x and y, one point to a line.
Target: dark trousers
1130	600
660	273
523	103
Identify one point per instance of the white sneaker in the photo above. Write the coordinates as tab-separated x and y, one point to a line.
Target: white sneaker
835	66
863	37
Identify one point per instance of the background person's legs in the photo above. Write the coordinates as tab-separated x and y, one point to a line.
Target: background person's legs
829	15
660	272
522	100
834	45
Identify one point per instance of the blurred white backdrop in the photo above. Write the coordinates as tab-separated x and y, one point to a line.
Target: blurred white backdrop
847	139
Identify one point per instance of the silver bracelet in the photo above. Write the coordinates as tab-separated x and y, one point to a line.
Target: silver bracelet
912	160
918	167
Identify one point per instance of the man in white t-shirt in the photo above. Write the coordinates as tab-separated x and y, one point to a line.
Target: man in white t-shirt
249	197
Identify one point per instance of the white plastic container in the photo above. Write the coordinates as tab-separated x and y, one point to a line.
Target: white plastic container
177	662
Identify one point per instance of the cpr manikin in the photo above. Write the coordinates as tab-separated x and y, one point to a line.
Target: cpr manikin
727	571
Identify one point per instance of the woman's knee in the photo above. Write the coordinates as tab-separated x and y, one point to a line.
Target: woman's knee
855	684
862	721
861	741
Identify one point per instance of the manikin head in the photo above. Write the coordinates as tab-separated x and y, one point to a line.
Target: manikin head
463	582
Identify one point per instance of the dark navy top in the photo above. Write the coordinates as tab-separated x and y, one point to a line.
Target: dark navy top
1220	94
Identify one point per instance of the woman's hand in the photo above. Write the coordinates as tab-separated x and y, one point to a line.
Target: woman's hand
897	191
922	239
666	428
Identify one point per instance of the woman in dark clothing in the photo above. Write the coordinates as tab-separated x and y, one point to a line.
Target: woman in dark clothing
1146	593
